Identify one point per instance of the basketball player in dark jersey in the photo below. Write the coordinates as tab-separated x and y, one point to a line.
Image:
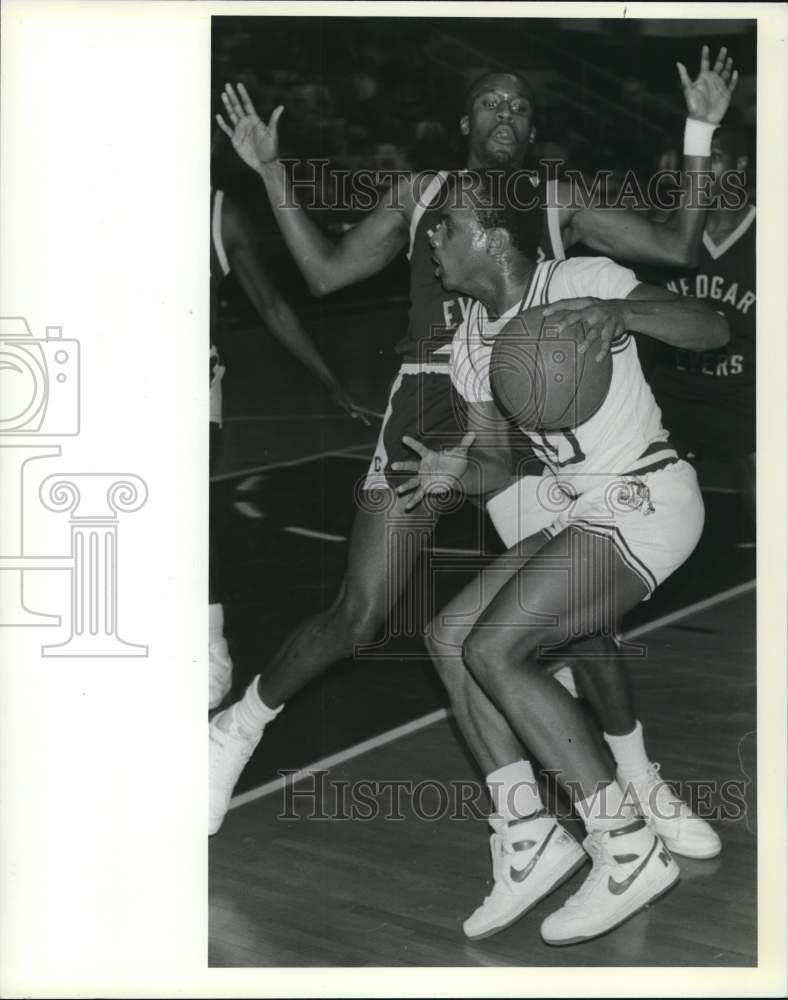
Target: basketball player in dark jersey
234	248
708	400
499	128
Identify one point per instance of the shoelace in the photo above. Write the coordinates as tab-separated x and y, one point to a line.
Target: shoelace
218	652
247	743
664	797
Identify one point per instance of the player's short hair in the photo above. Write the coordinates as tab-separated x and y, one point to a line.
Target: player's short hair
477	85
507	201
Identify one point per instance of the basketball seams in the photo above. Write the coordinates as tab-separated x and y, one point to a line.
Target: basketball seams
543	376
540	379
541	275
578	383
618	343
546	301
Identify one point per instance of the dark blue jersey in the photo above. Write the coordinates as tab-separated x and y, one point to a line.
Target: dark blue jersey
725	280
708	398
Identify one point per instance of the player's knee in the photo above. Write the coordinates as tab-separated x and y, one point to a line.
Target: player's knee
483	657
357	620
444	649
440	639
494	662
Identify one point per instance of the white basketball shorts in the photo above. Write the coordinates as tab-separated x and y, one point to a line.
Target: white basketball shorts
654	520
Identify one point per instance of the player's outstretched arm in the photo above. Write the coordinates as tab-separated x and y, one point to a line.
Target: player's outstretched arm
631	236
325	264
679	320
248	267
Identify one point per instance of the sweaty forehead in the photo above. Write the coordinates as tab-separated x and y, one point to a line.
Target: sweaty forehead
505	83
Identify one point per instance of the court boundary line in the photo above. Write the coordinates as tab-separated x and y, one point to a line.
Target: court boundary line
349	753
288	463
309	533
339	757
252	418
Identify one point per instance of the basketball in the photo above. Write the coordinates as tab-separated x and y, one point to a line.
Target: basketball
539	379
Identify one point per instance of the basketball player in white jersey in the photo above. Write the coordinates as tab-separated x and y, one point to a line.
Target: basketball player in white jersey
631	513
499	127
234	249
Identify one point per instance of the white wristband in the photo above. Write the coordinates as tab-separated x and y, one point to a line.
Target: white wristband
697	137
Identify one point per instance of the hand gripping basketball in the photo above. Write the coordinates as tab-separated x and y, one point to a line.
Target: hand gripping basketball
540	374
602	320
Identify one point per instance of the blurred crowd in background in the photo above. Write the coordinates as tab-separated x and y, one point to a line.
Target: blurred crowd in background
386	93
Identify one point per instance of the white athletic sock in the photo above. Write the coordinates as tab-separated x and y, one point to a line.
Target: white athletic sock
514	791
630	755
606	809
215	623
251	714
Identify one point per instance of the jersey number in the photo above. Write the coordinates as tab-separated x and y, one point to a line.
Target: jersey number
558	454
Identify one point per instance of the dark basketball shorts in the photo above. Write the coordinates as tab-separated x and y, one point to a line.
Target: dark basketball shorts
214	446
423	405
708	399
707	416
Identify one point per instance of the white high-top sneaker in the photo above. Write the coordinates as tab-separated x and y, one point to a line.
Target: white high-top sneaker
631	868
672	819
220	672
530	858
229	749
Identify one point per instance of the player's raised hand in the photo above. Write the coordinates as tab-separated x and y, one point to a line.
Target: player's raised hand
602	320
709	95
437	473
254	141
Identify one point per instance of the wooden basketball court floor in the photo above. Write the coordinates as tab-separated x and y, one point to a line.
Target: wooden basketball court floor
392	888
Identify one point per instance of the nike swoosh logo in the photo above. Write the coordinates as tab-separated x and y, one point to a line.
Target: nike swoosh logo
618	887
521	874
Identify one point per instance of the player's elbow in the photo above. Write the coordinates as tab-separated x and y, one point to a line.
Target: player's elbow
713	333
722	331
323	283
684	253
324	275
318	286
687	257
674	248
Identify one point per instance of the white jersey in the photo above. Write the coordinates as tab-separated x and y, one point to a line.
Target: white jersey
625	435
